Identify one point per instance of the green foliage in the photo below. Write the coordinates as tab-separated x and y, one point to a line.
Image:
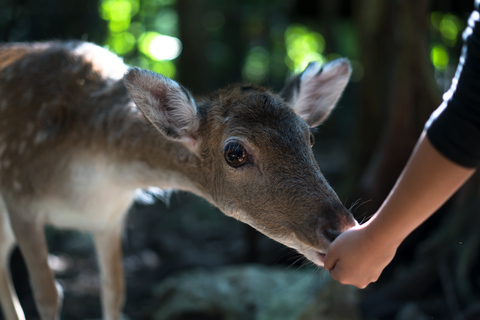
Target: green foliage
439	57
303	46
159	47
256	64
446	30
145	33
130	25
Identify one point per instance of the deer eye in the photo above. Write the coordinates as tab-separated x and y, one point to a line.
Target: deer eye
312	139
235	154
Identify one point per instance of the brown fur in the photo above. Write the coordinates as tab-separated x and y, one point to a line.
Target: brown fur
73	142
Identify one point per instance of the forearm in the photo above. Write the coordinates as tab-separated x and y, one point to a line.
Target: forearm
427	182
359	255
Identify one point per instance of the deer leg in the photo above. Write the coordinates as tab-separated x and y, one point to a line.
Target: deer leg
8	297
109	252
30	236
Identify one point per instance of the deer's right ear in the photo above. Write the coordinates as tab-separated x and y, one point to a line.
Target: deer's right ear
165	103
314	93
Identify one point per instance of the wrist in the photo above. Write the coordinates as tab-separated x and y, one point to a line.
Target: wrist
378	235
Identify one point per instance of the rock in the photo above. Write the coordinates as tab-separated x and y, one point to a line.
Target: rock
334	302
243	292
411	311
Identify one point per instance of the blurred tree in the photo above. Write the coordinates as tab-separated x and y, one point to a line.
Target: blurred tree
193	68
398	91
409	55
34	20
404	54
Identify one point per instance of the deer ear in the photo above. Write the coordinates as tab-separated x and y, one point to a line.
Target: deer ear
165	103
314	93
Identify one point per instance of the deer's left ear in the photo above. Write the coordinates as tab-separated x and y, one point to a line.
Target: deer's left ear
166	104
314	93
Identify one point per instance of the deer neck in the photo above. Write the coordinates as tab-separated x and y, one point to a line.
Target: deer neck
135	142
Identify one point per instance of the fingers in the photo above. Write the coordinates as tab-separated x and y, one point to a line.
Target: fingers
358	280
332	257
336	275
351	261
329	263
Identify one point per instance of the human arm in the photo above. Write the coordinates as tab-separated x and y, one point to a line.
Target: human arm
359	255
438	166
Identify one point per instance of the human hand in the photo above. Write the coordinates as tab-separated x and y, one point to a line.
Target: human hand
357	257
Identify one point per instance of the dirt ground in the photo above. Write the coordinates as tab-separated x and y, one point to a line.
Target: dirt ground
159	241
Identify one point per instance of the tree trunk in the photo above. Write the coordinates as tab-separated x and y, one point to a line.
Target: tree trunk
398	92
192	69
397	95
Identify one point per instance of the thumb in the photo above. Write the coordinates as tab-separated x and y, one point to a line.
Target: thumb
330	261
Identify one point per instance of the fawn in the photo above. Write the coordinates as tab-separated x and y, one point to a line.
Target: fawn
80	133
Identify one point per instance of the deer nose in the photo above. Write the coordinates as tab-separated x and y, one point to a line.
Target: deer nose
330	234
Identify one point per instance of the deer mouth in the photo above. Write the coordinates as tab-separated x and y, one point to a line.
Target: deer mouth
317	257
320	257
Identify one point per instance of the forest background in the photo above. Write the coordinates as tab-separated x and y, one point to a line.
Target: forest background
404	54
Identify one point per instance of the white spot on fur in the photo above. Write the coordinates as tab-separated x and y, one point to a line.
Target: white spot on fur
8	74
17	185
29	128
24	64
40	137
27	96
103	61
21	146
3	105
44	107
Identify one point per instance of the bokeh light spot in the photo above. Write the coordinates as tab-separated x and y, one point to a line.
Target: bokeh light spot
439	57
302	47
160	47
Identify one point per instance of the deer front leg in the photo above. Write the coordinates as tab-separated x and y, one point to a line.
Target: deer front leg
8	297
30	236
109	252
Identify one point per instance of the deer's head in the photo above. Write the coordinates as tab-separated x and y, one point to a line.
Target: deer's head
253	150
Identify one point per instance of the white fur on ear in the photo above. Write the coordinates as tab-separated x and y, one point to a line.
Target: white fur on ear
319	89
165	103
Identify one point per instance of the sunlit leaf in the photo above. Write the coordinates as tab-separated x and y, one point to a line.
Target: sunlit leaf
449	28
256	65
118	10
439	57
121	43
166	22
435	18
159	47
303	46
213	20
167	68
116	26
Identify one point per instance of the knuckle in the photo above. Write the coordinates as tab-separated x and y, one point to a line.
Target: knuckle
334	276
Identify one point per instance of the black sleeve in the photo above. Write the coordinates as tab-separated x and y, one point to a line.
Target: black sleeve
454	128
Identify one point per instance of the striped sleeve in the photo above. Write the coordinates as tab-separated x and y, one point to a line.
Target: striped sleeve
454	128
